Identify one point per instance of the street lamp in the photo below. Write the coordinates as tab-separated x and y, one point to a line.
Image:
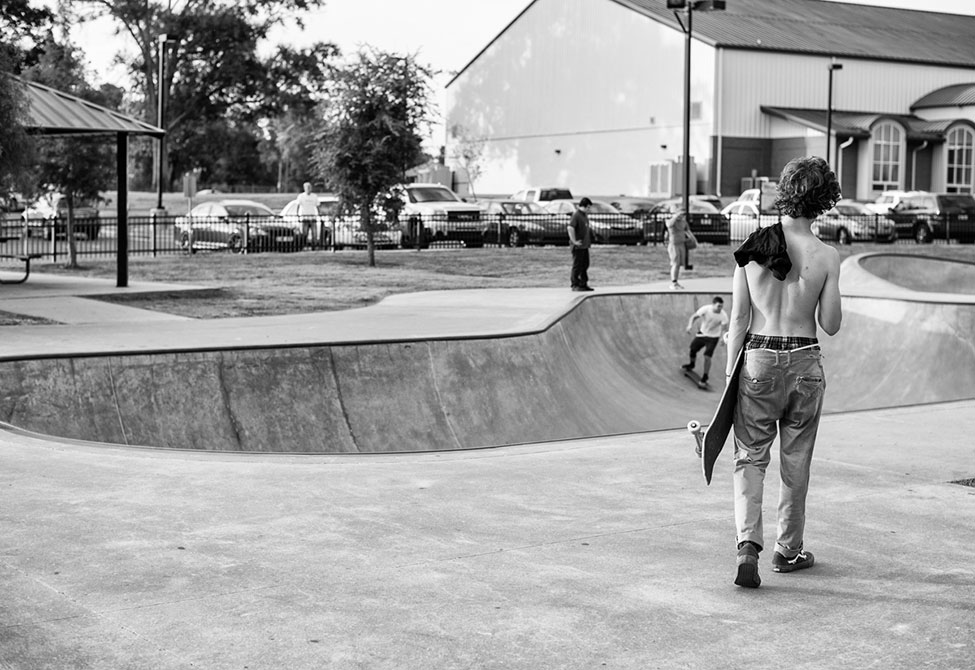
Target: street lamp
689	9
833	66
160	117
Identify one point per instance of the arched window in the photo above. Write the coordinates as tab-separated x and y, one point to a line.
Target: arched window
959	159
888	152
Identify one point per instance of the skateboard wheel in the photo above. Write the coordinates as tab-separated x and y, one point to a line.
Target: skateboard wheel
693	426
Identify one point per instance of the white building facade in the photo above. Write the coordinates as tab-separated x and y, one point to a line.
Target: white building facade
589	94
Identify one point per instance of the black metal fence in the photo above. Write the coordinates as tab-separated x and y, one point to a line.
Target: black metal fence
157	236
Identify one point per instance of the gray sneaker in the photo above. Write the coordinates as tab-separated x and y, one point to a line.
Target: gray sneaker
801	561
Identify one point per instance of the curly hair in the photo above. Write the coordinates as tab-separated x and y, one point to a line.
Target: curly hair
807	188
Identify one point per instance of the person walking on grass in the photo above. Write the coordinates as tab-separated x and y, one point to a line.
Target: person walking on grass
712	322
785	279
580	239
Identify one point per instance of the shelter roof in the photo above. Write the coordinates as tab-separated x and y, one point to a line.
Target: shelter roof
53	112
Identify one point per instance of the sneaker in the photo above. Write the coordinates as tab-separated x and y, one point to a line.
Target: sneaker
748	567
801	561
587	288
704	379
675	286
687	366
578	288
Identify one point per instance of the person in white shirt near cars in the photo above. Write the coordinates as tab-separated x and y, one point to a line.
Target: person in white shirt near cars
713	322
308	211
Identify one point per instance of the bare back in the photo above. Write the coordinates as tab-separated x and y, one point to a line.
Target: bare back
789	307
763	305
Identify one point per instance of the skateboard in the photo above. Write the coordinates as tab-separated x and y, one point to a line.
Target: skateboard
711	438
696	378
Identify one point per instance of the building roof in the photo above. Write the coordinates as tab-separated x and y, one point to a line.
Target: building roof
818	27
830	29
53	112
956	95
859	124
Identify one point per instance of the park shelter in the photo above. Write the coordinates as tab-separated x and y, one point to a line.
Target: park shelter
53	112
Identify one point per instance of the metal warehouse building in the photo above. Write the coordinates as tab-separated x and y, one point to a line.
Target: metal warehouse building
589	94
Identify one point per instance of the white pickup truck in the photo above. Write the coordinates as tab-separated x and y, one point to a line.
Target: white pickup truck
432	212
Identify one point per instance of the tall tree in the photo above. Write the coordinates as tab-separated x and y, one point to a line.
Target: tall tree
372	130
22	29
79	168
211	66
16	149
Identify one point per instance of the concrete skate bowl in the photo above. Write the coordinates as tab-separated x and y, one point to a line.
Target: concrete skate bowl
607	366
887	271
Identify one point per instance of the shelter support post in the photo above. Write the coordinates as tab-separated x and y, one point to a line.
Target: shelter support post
122	233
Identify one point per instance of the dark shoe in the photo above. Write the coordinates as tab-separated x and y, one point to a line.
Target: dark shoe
704	379
578	288
748	567
801	561
687	366
587	288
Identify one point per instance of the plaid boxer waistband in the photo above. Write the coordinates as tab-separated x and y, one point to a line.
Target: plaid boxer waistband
779	343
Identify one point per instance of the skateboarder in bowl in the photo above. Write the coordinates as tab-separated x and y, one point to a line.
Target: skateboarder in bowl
786	278
713	321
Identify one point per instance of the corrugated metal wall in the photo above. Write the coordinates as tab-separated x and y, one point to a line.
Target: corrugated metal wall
752	79
581	93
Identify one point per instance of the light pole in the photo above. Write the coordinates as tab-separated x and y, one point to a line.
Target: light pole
689	9
163	40
833	66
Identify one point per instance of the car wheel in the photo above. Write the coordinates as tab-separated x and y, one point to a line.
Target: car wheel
514	238
843	236
922	234
185	244
235	244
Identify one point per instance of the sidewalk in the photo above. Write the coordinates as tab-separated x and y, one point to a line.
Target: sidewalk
602	553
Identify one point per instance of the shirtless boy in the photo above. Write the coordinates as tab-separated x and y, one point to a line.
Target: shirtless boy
786	280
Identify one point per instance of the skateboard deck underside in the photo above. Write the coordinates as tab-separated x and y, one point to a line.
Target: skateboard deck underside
717	431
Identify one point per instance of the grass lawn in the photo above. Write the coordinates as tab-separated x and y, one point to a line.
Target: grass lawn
271	284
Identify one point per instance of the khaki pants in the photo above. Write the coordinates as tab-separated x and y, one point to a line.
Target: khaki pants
780	392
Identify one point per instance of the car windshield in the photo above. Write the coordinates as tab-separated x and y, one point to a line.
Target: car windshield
603	208
522	208
243	209
852	210
959	201
431	194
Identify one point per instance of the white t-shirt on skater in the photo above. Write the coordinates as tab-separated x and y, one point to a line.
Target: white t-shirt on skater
711	323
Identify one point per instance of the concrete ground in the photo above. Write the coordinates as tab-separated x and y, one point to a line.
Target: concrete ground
605	552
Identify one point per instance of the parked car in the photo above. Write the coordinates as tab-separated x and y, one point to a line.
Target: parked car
607	224
881	229
316	229
517	223
48	215
237	225
744	218
887	200
928	216
349	234
543	194
638	207
706	222
431	213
